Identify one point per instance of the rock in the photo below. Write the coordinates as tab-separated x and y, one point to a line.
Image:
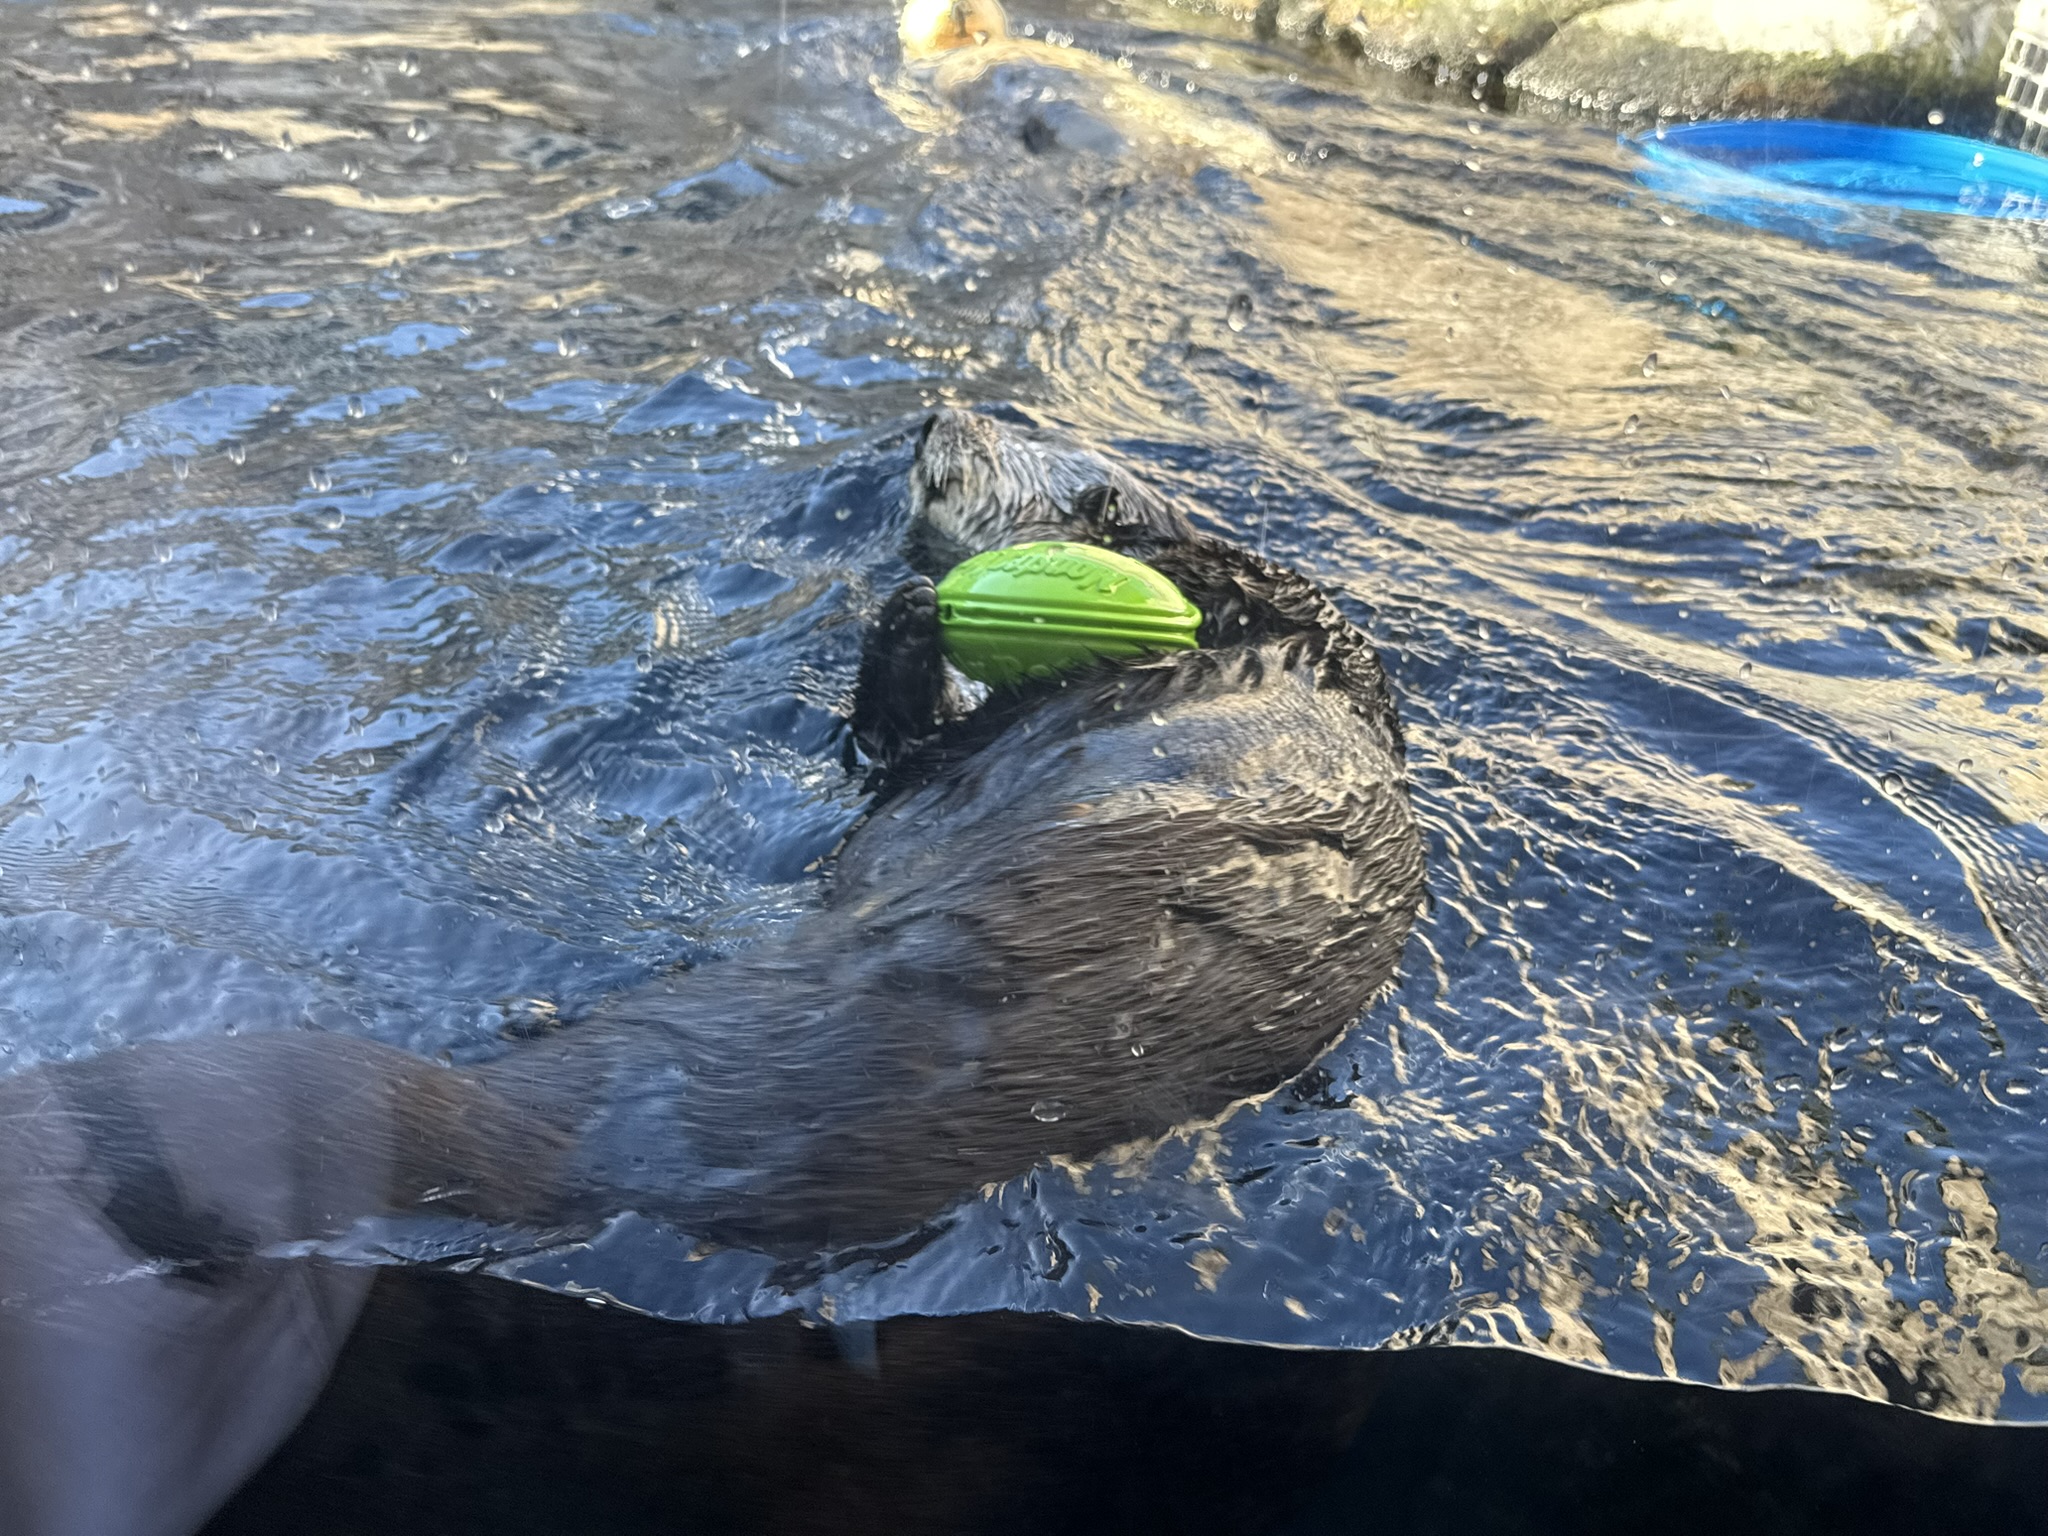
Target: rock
1876	60
1453	39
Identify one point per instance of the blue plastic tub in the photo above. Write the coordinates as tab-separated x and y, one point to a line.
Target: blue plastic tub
1846	163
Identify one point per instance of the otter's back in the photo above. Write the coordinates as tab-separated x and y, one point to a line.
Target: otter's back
1101	923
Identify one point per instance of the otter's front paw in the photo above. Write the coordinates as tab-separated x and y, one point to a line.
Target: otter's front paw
1121	516
902	674
910	616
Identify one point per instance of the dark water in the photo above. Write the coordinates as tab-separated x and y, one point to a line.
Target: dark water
446	452
468	1408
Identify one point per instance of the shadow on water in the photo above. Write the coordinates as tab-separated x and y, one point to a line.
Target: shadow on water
446	453
464	1407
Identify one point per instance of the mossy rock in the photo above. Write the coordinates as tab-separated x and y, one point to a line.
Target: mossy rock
1455	38
1872	60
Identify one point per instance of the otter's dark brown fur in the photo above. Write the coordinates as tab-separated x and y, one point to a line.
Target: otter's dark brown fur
979	484
1076	914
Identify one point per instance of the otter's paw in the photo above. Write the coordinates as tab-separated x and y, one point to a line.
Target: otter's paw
902	674
1109	516
1127	513
911	615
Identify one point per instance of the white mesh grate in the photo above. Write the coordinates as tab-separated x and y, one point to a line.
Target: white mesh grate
2023	98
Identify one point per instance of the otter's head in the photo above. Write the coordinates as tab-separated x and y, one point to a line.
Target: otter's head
979	485
929	27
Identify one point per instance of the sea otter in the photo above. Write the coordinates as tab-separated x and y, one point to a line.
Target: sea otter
1076	913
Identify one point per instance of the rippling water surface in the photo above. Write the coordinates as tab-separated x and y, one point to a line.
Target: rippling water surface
446	451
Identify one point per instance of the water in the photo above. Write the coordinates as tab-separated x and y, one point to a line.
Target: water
445	454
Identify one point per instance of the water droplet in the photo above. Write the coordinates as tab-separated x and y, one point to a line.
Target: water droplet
351	170
269	763
409	65
1936	117
1891	783
2001	687
356	409
268	608
1239	315
364	760
1667	276
1049	1111
319	481
494	823
110	280
643	661
459	457
1628	428
1650	366
237	453
417	130
181	467
566	345
1965	765
332	518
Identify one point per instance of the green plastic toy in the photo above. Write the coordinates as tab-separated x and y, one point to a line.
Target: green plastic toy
1037	610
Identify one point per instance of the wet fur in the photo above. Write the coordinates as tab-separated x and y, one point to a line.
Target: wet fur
979	484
